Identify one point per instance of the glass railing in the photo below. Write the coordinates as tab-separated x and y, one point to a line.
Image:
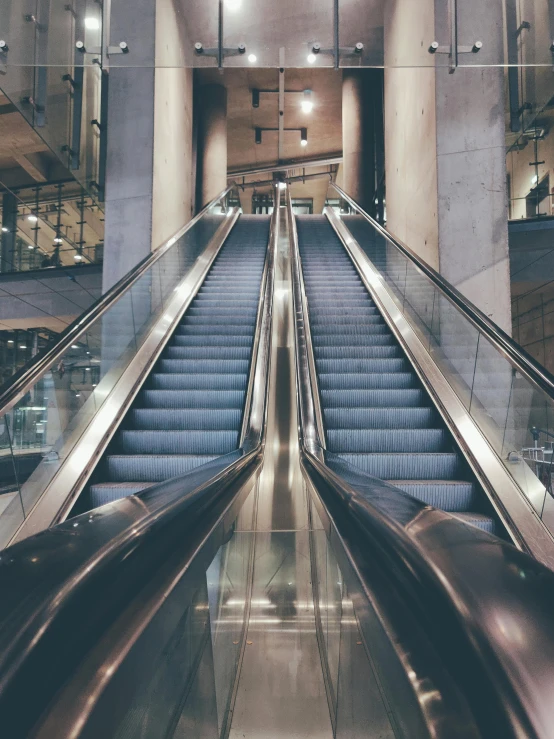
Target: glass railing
49	403
507	394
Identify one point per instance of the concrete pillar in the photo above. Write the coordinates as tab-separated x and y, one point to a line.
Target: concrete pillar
445	148
9	222
212	143
358	136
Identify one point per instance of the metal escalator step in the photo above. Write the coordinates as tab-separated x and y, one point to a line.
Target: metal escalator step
343	366
198	381
380	418
207	352
134	441
207	322
107	492
387	440
235	330
450	495
409	398
358	328
350	340
152	468
211	366
368	381
426	466
358	352
216	340
192	398
196	419
318	321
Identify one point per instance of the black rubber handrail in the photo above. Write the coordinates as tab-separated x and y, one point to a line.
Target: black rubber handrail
23	380
517	356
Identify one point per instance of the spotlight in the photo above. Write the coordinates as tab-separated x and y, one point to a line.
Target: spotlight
30	246
252	58
282	185
32	219
78	258
307	104
255	98
5	230
304	137
57	240
93	24
258	135
311	58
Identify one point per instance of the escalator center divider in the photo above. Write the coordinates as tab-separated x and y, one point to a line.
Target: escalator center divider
376	413
190	409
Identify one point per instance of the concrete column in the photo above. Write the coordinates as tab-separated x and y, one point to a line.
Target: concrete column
9	222
212	142
130	151
358	136
445	148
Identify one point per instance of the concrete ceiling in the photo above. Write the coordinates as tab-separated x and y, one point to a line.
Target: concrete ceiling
24	157
324	123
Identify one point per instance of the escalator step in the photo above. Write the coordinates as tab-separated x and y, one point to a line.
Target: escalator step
205	381
450	495
205	419
369	381
380	418
191	398
387	440
152	468
176	442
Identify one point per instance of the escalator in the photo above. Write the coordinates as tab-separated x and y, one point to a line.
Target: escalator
150	383
293	576
190	409
377	415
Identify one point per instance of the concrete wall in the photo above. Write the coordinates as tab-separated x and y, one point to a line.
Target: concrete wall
173	179
149	162
444	142
410	127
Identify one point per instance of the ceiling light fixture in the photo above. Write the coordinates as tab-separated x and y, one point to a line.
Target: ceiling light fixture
252	58
78	258
5	230
258	135
311	58
303	137
30	246
32	218
534	180
233	4
93	24
57	240
307	102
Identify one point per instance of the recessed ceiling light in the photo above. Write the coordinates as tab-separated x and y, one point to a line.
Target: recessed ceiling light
22	346
311	58
307	103
93	24
252	58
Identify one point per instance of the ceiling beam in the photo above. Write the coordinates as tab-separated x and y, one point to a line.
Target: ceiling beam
34	169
